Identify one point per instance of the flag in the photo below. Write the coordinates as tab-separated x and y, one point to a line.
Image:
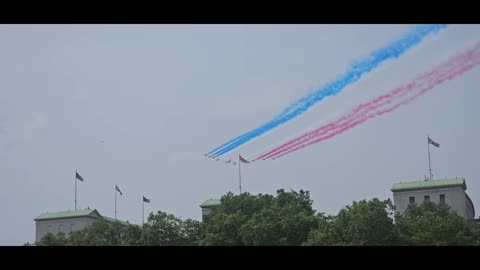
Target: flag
117	189
146	200
430	141
243	160
77	176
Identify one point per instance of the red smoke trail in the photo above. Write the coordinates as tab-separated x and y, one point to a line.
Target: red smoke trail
447	71
363	109
344	120
430	85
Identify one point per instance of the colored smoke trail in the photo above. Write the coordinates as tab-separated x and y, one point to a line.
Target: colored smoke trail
448	71
353	74
439	78
365	108
344	120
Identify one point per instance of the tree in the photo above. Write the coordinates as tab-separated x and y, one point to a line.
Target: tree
363	223
164	229
222	226
132	236
51	240
431	224
260	220
191	229
286	219
100	233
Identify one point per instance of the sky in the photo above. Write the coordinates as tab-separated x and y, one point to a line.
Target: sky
138	106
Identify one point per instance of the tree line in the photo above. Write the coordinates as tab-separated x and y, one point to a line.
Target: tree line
286	219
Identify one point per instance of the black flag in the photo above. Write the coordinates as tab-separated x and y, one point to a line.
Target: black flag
430	141
77	176
146	200
117	189
243	160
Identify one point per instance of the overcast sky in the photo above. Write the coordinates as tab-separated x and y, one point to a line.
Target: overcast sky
140	105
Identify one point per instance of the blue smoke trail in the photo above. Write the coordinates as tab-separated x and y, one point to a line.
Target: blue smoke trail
353	74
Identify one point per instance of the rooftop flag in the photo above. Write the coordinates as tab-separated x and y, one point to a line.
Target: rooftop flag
430	141
77	176
243	160
117	189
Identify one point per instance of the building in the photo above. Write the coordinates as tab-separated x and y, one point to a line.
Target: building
208	206
445	191
67	222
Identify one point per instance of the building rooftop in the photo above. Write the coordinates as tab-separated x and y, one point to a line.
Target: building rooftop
67	214
210	203
402	186
77	214
117	220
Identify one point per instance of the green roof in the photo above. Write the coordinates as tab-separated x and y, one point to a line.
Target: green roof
77	214
429	184
116	220
67	214
210	203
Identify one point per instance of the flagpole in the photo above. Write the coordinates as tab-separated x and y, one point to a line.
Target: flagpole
429	163
239	175
143	211
75	192
115	202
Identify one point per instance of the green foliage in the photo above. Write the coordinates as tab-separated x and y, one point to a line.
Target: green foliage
286	219
132	236
52	240
221	227
100	233
364	223
164	229
191	231
260	220
431	224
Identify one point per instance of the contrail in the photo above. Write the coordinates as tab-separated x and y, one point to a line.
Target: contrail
439	77
353	74
453	68
346	119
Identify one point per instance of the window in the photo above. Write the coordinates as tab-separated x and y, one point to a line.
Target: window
442	198
411	200
426	198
